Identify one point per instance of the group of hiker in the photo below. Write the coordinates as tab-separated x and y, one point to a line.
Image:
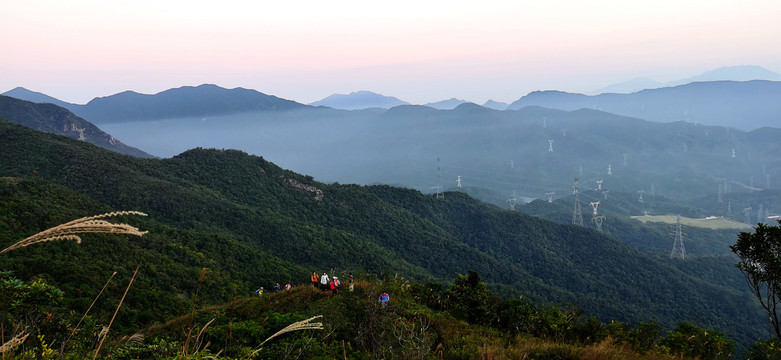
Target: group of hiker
277	288
325	283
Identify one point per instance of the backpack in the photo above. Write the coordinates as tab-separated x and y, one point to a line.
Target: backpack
332	285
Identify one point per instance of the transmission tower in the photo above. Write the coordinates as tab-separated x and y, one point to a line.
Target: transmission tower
577	216
747	214
604	193
599	185
719	198
458	181
729	208
512	201
544	123
550	196
550	145
733	153
598	221
641	192
564	132
679	250
610	169
760	212
440	194
594	206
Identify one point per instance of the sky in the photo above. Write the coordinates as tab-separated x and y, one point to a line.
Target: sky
419	51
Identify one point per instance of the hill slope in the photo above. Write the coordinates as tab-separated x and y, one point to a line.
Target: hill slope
57	120
379	229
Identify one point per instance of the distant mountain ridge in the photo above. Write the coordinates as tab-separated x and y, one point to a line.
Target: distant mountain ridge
37	97
186	101
729	73
745	105
57	120
449	104
359	100
496	105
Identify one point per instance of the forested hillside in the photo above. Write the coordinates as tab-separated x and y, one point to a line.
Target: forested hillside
280	225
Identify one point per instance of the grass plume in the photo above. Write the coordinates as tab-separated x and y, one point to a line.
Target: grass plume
296	326
69	230
13	342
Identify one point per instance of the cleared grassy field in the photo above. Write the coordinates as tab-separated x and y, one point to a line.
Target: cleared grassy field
707	223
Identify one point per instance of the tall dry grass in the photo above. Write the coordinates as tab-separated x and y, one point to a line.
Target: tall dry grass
15	341
296	326
69	230
76	328
116	311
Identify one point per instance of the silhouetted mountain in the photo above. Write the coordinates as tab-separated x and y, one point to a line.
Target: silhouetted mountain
744	105
495	105
730	73
446	104
187	101
57	120
359	100
630	86
36	97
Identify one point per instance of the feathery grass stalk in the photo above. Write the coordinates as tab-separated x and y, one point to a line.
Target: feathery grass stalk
76	328
14	342
97	351
68	230
296	326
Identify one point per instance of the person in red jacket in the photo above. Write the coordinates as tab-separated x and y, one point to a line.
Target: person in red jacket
335	285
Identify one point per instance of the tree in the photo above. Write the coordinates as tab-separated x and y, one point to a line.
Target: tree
468	298
760	262
695	342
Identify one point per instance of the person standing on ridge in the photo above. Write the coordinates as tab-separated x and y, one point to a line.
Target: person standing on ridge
288	286
384	298
315	279
276	287
335	285
350	281
324	280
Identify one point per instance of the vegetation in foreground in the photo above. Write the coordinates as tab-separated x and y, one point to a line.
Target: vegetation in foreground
421	321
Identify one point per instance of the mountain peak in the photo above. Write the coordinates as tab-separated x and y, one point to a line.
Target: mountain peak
496	105
448	104
34	96
358	100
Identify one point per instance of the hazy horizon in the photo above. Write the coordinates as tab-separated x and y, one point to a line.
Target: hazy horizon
419	52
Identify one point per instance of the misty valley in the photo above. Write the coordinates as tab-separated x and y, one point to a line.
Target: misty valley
558	226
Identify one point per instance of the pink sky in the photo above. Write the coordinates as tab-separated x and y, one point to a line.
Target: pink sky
419	51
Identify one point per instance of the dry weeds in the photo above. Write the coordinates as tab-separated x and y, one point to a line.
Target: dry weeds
69	230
